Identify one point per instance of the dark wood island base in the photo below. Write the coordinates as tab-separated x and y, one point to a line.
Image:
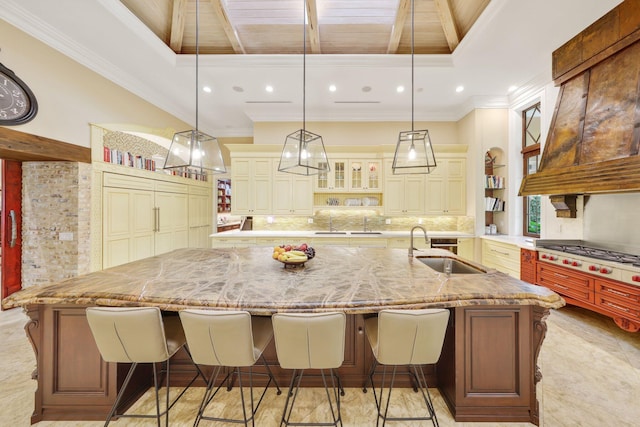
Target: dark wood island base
487	371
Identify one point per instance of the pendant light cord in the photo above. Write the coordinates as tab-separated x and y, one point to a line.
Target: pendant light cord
412	72
304	63
197	55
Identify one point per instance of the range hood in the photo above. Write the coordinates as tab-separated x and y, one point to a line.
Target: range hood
592	145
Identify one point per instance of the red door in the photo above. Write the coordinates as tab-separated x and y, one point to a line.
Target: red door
11	228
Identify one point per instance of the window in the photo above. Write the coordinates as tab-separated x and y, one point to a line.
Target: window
530	161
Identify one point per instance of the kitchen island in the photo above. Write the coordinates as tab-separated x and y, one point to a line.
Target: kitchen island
487	370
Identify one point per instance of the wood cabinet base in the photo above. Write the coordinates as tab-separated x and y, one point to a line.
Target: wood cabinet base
487	371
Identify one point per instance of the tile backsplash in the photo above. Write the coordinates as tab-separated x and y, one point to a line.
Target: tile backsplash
353	220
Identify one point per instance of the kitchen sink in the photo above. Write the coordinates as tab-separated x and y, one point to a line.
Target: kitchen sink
457	267
365	232
330	232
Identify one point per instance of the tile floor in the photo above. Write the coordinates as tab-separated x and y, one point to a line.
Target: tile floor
591	378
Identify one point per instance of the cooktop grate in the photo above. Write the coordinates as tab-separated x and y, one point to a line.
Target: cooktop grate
597	253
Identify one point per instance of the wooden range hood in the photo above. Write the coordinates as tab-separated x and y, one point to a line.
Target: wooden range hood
592	145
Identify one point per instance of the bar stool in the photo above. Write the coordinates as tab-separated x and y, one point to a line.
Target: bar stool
311	341
137	335
228	339
405	338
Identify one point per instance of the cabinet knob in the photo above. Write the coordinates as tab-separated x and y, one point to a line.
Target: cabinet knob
605	270
635	278
360	330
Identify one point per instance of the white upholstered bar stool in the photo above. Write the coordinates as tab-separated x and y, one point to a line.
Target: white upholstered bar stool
408	338
311	341
228	339
137	335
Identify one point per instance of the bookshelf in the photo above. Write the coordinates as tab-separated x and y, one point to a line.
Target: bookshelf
494	186
224	195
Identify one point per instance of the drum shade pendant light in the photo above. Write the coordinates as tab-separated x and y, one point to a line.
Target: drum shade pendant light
192	150
303	152
414	152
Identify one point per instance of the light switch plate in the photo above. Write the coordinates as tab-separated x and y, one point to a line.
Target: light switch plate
387	221
309	220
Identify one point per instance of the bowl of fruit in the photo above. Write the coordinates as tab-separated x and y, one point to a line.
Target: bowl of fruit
293	255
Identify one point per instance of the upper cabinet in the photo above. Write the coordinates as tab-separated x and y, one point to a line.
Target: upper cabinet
403	194
292	194
335	180
446	188
252	178
365	175
351	175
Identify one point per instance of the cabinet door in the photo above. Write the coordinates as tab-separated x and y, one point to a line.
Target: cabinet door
373	175
200	220
172	222
365	175
446	188
302	197
282	194
128	226
394	196
414	195
252	192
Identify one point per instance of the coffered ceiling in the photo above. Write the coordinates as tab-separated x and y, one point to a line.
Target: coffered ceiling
338	27
499	51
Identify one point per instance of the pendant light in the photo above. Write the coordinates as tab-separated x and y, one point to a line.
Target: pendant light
192	150
414	152
303	152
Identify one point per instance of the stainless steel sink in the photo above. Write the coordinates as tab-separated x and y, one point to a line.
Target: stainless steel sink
330	232
457	267
365	232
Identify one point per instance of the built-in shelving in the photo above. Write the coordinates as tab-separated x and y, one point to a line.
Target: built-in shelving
224	195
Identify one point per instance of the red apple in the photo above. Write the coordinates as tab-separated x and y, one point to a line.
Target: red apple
303	247
287	248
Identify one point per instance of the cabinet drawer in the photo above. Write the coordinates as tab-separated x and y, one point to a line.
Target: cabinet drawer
618	298
566	282
501	256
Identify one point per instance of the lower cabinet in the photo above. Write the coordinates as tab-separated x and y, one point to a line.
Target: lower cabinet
617	300
487	370
528	265
502	256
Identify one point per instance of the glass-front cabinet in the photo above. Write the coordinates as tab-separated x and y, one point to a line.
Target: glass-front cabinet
351	175
365	175
335	180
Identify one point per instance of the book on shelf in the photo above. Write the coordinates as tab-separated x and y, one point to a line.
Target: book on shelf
494	182
125	158
494	204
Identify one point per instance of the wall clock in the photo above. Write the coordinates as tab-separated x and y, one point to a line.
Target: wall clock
18	104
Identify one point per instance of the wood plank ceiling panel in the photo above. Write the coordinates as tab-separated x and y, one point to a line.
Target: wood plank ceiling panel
341	26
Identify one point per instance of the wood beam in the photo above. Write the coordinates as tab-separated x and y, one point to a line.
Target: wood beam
177	25
229	29
21	146
448	23
404	7
313	27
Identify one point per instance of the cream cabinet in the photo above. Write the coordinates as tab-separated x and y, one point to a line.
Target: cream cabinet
335	180
466	248
292	194
252	179
365	175
403	194
200	217
446	188
142	218
502	256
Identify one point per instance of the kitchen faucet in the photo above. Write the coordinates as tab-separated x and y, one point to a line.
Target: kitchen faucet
411	248
364	224
331	225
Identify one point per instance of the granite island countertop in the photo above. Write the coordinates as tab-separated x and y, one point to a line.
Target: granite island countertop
353	280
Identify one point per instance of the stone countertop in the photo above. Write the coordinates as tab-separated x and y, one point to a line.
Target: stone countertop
308	234
353	280
520	241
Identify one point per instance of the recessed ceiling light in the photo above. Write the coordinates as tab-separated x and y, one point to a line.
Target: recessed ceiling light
459	89
206	89
269	88
400	89
512	88
332	88
366	88
238	89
